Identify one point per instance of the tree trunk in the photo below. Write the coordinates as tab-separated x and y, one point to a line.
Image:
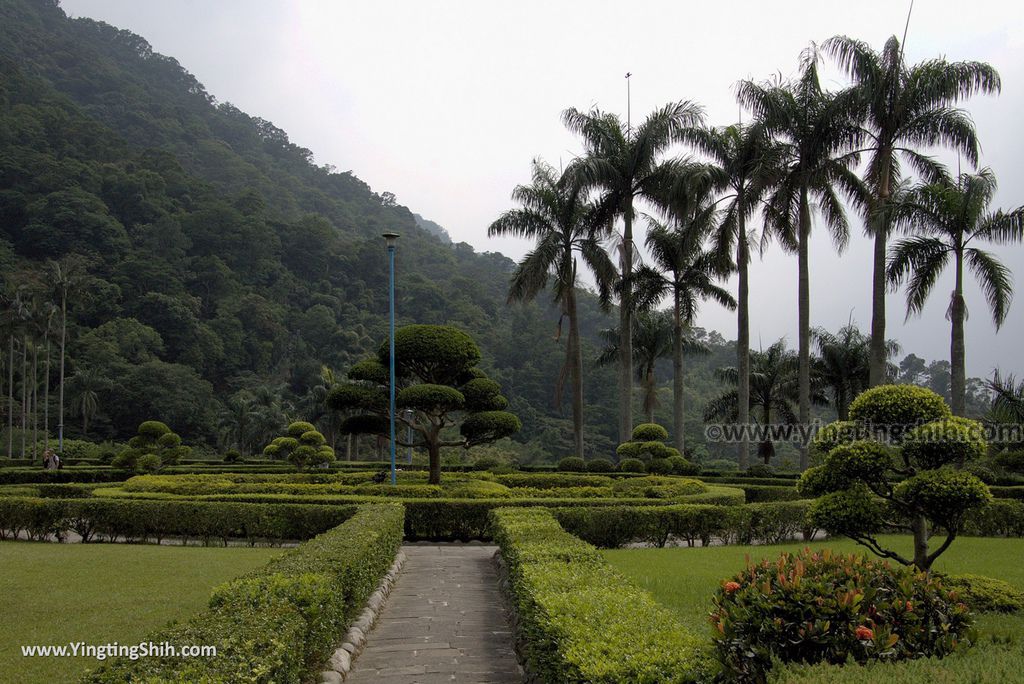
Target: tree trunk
46	394
348	446
743	337
10	396
650	393
434	452
24	392
576	370
958	379
878	358
919	525
842	404
63	345
677	376
766	448
804	294
626	331
35	401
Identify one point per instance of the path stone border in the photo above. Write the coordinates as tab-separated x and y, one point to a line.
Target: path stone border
340	663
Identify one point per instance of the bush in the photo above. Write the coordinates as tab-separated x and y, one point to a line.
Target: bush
580	621
658	487
649	432
600	465
985	594
632	465
825	607
660	466
897	408
232	456
148	463
680	466
759	470
572	464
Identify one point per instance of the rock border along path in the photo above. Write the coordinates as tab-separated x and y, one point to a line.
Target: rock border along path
443	621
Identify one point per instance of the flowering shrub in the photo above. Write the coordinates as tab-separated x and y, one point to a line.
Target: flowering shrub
824	607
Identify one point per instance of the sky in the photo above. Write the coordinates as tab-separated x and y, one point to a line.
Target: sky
445	104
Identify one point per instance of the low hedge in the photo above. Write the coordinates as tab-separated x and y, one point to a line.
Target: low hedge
580	621
1015	492
767	493
142	520
279	623
73	474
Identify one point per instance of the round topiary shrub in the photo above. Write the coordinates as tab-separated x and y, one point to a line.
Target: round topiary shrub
680	466
153	429
632	465
953	441
649	432
232	456
897	408
825	607
572	464
659	466
600	465
299	428
148	463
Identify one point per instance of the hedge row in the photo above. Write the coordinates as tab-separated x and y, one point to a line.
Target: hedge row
580	621
140	520
41	476
279	623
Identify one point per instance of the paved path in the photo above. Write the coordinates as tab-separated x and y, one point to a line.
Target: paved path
443	622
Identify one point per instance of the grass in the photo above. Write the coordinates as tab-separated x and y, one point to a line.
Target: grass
684	578
101	593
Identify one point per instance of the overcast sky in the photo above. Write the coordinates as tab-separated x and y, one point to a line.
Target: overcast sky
445	104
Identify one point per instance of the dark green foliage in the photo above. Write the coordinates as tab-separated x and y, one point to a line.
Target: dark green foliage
489	426
814	607
571	464
632	465
898	408
649	432
600	465
369	370
954	441
657	487
578	620
304	447
427	397
947	495
436	354
985	594
364	424
678	465
152	448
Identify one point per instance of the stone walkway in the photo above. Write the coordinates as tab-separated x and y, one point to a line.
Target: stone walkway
443	622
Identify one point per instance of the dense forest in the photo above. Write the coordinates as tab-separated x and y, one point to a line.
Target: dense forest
225	273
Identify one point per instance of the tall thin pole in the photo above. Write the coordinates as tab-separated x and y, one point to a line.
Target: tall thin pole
391	237
629	102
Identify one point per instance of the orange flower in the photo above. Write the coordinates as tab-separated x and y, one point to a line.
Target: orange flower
731	587
910	606
863	633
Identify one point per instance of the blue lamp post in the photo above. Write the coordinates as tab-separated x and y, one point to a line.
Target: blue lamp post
390	239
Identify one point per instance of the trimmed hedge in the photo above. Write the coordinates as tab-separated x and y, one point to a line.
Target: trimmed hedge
279	623
142	520
579	620
75	474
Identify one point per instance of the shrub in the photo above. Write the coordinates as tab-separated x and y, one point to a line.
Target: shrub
649	432
232	456
658	487
148	463
660	466
600	465
579	621
897	407
572	464
632	465
680	466
985	594
152	448
759	470
825	607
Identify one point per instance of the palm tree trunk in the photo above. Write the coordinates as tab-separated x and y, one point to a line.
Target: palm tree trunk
743	336
958	379
677	376
650	393
35	401
24	391
10	396
63	345
804	305
878	357
46	394
576	368
626	331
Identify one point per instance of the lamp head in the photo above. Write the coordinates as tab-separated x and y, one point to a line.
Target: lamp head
390	239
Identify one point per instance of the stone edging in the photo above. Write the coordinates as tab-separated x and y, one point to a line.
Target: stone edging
341	661
519	645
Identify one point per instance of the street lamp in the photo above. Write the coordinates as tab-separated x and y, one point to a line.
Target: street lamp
390	239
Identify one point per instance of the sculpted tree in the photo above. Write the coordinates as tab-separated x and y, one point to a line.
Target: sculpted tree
438	388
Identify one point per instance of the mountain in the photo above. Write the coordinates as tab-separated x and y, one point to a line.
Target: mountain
434	229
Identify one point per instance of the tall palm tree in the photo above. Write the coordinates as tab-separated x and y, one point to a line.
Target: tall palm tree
748	162
774	394
843	364
817	130
945	218
903	110
66	276
626	164
688	274
557	217
12	320
653	339
237	421
84	388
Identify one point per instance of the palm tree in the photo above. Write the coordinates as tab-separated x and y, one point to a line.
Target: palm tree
65	276
748	162
905	109
626	164
13	319
1007	408
843	364
944	219
84	387
557	217
653	339
816	130
688	276
774	394
237	420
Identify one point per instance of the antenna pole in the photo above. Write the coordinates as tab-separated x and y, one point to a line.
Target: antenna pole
629	125
906	27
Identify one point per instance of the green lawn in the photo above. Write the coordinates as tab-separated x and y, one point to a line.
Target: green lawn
100	593
684	579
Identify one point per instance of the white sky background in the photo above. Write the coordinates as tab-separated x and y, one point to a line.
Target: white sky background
445	104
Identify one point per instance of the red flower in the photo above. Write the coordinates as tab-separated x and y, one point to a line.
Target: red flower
731	587
910	606
864	633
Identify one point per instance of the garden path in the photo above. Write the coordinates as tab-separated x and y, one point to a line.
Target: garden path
444	621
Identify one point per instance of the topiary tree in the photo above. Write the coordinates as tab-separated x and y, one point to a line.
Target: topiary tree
439	388
154	447
897	464
303	445
648	446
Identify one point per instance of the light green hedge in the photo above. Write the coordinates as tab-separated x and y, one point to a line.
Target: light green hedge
278	623
579	620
